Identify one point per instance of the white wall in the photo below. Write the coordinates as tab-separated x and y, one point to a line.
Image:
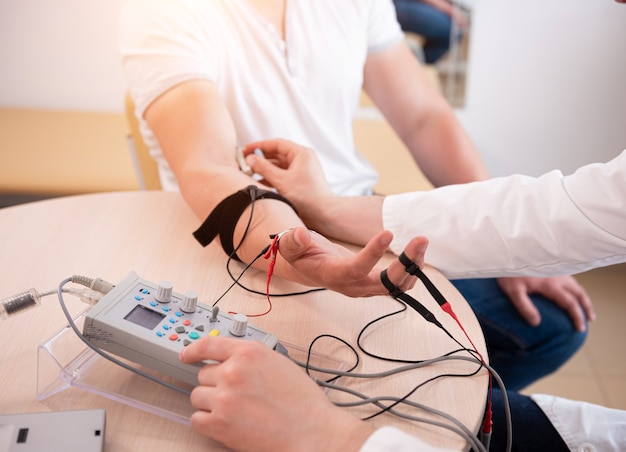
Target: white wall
61	55
545	89
547	83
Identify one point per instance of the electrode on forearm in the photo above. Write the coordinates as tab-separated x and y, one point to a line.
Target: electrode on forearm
223	219
19	303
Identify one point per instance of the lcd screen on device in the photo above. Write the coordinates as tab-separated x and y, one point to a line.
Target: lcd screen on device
142	316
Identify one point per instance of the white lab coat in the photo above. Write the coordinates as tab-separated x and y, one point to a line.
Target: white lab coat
518	225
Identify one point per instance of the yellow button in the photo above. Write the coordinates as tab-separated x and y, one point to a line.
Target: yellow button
214	333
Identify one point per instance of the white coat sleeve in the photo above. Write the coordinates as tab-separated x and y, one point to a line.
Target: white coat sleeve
585	426
518	225
390	439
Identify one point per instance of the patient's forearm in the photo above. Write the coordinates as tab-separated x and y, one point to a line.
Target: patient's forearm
348	219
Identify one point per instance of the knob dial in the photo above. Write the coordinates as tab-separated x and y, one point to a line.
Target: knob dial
190	301
239	326
164	292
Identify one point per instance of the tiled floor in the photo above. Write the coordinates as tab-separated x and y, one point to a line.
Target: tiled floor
597	373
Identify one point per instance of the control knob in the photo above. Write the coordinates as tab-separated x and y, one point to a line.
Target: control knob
164	292
190	301
239	325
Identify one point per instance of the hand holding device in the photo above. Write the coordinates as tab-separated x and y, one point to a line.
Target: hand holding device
150	324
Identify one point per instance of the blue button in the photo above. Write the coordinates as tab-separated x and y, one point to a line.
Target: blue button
145	291
166	309
137	297
179	314
172	320
153	303
159	333
166	327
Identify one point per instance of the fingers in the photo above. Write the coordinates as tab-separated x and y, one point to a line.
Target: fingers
212	348
564	291
517	292
526	308
295	243
577	315
213	416
357	274
587	306
367	258
570	302
201	397
201	419
278	149
584	302
415	250
570	296
267	169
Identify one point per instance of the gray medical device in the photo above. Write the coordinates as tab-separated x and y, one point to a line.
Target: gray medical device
149	324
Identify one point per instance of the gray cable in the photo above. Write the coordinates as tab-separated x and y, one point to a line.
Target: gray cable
507	411
459	428
106	355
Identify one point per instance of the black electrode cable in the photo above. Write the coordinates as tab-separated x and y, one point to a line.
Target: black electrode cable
232	255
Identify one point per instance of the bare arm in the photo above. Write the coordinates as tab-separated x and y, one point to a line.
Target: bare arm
421	117
296	173
198	140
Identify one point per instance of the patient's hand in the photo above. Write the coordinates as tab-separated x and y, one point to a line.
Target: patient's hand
356	275
564	291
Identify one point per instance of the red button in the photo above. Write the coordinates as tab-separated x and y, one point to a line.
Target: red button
187	322
173	337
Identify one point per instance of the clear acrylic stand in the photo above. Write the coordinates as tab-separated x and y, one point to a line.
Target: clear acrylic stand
65	362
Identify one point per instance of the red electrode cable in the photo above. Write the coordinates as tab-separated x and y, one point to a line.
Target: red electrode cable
413	269
487	421
271	253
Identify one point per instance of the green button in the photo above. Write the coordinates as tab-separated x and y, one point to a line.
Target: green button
194	335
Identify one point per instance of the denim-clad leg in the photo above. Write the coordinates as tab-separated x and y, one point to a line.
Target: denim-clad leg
532	430
429	22
520	353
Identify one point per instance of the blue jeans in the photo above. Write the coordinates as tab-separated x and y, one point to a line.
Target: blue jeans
520	353
532	430
432	24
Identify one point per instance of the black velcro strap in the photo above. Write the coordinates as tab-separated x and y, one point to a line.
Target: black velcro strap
399	294
394	290
409	265
414	270
223	219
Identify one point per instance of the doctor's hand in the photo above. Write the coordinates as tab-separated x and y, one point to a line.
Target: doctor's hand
564	291
254	398
296	173
352	274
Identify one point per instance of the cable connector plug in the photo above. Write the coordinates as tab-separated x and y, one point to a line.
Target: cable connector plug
97	284
485	431
87	296
18	303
